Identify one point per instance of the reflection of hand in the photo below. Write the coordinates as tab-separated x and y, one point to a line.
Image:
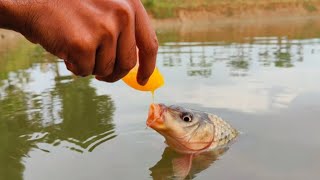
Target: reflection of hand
93	36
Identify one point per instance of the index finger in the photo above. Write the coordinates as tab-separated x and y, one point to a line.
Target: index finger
147	43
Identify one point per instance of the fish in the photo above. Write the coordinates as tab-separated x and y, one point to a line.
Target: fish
189	132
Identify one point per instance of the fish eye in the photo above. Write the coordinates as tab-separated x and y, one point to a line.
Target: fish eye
187	117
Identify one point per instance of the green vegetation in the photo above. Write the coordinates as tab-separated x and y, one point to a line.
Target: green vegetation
167	8
309	6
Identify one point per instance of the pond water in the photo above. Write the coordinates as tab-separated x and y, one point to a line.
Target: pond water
260	77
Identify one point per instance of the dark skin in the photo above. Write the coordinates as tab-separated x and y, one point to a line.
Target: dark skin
97	37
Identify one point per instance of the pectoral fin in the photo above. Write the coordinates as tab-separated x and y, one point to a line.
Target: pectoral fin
182	165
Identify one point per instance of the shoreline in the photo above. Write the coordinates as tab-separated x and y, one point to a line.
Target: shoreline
234	30
176	22
203	20
224	12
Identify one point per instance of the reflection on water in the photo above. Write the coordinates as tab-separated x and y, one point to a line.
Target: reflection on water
259	60
164	167
267	51
259	77
67	113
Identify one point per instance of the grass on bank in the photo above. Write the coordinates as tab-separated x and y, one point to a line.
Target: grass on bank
169	8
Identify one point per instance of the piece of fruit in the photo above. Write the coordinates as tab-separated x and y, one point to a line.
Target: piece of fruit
155	81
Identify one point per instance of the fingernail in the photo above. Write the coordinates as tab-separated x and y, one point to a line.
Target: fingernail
142	81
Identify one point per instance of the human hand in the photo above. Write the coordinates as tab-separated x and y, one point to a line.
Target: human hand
96	37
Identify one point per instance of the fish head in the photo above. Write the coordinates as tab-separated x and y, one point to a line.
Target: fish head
185	130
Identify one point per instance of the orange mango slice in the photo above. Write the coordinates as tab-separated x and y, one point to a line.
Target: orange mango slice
156	80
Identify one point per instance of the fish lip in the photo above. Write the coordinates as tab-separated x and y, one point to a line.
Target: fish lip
158	119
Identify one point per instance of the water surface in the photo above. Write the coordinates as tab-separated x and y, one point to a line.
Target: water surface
261	78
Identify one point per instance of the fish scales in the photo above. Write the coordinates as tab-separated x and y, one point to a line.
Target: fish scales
223	132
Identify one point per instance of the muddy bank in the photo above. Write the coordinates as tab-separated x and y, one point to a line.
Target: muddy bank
241	11
235	30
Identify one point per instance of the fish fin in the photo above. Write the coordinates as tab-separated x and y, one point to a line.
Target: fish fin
181	166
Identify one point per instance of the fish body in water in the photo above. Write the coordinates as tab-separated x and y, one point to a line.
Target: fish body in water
189	132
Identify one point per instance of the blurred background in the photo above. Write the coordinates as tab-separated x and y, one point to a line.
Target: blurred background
255	63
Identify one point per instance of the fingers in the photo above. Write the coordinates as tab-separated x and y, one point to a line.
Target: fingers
113	57
126	54
105	59
81	64
147	43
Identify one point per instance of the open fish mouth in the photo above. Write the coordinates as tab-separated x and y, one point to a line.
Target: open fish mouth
155	116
